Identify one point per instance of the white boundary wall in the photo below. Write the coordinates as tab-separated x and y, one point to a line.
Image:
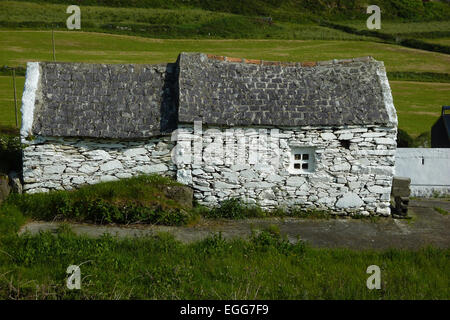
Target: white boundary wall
428	168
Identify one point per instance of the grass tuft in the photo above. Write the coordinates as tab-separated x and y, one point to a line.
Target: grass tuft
441	211
135	200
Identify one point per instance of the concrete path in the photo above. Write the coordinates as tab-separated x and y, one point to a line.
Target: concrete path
427	227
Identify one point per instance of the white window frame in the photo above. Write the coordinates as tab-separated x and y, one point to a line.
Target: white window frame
302	160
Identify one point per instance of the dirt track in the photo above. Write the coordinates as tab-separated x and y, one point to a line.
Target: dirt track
427	227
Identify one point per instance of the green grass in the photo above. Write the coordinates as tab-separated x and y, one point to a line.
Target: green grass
441	41
162	23
139	199
419	76
442	211
234	208
7	113
265	267
288	10
407	29
21	46
419	104
142	199
409	40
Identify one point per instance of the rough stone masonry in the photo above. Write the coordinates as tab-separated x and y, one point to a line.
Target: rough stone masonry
332	127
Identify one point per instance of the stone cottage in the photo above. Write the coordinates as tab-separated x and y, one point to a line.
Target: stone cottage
312	134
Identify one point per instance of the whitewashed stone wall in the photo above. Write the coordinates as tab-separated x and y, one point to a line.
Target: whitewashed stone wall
345	181
428	168
64	163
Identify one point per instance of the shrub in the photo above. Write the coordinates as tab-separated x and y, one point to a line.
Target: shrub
419	44
271	239
234	209
10	153
230	209
404	140
213	244
441	211
423	140
7	71
134	200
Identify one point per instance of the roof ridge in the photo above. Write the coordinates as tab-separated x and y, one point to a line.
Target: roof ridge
365	59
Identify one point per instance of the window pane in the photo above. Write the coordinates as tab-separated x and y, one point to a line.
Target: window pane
298	157
296	165
305	156
305	166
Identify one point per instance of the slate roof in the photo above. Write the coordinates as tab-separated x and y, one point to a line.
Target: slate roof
139	101
223	91
107	101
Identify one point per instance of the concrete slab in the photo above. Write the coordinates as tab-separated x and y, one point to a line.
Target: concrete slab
427	227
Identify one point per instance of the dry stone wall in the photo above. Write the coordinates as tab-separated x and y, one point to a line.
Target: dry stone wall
357	179
350	177
66	163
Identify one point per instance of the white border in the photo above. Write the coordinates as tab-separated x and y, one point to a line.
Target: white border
387	95
28	99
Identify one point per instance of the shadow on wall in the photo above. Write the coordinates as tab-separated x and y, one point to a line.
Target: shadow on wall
169	103
440	132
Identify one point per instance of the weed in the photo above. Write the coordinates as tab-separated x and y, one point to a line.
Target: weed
441	211
234	208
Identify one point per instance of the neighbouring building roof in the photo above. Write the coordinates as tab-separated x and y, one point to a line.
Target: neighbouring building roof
138	101
100	100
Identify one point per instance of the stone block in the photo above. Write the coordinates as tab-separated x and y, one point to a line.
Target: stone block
54	169
111	165
135	152
183	195
149	169
223	185
328	136
5	188
295	181
349	200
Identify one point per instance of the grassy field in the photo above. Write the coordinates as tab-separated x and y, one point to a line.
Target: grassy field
419	104
7	115
21	46
163	23
405	29
287	10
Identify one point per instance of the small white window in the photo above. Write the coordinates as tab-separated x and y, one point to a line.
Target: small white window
302	160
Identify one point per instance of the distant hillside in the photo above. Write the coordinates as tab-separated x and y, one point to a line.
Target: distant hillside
164	23
290	10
